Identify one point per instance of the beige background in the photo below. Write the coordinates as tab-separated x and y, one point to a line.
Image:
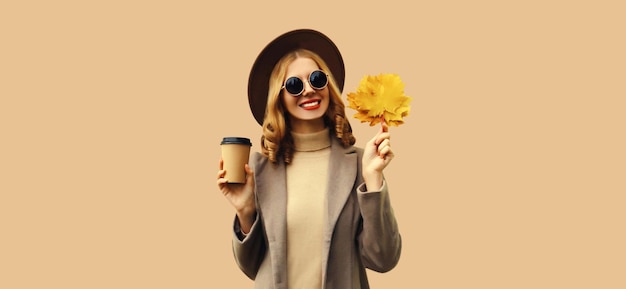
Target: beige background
510	170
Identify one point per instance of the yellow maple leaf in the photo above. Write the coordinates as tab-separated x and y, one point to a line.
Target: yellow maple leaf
380	97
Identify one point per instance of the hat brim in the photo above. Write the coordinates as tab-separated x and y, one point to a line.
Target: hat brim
258	82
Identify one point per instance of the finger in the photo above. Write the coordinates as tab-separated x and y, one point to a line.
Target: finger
221	184
249	175
383	144
383	148
248	169
221	173
221	164
222	181
385	151
380	149
381	137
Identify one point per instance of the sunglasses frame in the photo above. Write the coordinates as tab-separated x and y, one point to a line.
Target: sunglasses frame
308	80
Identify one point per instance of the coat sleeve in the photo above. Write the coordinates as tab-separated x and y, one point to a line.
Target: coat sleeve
249	250
379	240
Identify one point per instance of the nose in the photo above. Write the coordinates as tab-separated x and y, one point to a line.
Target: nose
307	89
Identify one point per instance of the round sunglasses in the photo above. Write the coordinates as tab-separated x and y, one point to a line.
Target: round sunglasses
295	86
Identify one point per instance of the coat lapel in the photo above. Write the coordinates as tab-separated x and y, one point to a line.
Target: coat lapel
272	199
342	174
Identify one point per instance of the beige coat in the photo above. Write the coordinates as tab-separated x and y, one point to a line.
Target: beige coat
361	230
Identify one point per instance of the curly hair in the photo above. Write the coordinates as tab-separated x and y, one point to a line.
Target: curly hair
276	140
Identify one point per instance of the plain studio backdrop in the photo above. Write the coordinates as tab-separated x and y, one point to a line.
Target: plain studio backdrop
510	170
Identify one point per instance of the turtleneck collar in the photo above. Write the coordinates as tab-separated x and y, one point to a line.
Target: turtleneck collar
308	142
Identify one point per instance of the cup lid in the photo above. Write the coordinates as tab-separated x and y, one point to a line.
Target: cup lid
236	140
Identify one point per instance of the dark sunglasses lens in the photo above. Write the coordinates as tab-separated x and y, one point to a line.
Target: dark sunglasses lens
318	79
294	85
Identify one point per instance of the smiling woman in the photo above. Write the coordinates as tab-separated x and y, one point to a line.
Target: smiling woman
314	211
309	105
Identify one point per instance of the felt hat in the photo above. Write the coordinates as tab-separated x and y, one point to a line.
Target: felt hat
258	82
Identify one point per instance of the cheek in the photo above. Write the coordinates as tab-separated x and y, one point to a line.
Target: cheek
327	107
289	103
327	97
288	100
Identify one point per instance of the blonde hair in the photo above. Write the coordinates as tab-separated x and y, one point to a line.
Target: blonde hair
276	141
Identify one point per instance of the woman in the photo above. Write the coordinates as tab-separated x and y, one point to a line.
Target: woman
314	211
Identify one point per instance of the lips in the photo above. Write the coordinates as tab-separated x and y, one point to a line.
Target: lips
310	104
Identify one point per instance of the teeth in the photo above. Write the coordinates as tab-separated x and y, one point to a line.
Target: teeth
309	104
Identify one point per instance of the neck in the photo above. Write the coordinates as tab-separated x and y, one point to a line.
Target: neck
307	126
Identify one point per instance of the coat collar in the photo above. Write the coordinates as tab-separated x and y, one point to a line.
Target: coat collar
272	201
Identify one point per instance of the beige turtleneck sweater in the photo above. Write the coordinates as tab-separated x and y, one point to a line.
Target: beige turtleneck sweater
306	207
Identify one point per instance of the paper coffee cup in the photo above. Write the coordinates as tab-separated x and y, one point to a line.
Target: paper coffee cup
235	154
